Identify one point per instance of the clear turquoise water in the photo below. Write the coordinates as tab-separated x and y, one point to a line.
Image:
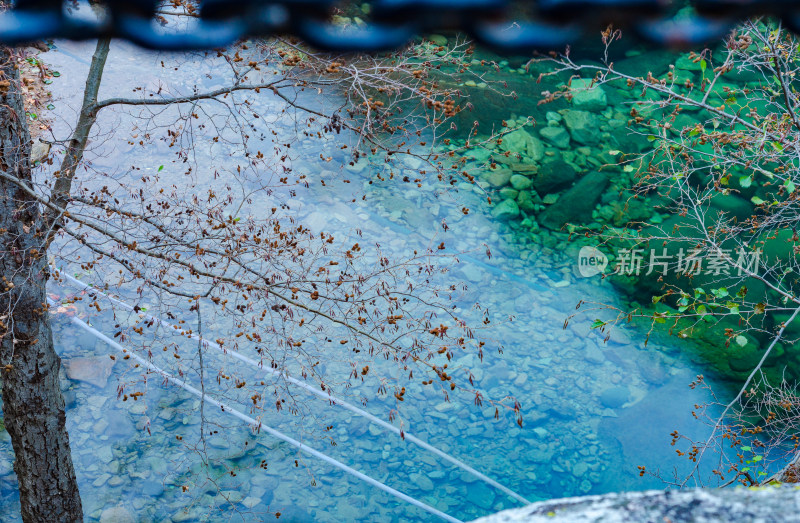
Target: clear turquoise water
593	411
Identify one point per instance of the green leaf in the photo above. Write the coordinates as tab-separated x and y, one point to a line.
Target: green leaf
756	200
51	106
160	168
597	324
790	186
745	469
143	309
720	293
694	132
745	181
757	458
746	449
614	152
55	73
703	65
741	340
731	100
651	138
236	219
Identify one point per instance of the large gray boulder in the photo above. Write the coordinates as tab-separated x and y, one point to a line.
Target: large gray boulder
695	506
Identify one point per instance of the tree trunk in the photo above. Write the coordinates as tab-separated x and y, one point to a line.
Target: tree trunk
33	407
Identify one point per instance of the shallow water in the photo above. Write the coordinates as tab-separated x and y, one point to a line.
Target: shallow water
593	410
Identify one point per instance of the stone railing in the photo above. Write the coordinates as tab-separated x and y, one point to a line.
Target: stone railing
698	506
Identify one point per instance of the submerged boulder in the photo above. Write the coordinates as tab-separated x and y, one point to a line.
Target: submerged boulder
116	515
91	370
583	126
499	177
553	176
520	141
555	135
577	203
586	96
506	210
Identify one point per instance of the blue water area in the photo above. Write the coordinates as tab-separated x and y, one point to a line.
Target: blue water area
593	408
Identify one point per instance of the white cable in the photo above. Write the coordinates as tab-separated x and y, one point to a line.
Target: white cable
260	426
337	401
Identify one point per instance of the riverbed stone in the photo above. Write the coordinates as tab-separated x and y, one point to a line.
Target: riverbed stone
499	177
556	135
588	97
422	481
520	182
116	515
94	370
583	126
508	193
553	175
522	142
576	204
614	397
506	210
526	201
481	494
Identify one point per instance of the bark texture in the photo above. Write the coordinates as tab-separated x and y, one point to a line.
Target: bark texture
33	407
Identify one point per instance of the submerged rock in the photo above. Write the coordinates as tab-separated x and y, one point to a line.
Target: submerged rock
422	481
520	182
481	494
583	126
588	97
614	397
576	204
554	175
527	201
499	177
94	370
507	210
520	141
116	515
556	136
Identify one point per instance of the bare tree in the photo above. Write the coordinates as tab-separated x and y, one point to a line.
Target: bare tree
286	295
